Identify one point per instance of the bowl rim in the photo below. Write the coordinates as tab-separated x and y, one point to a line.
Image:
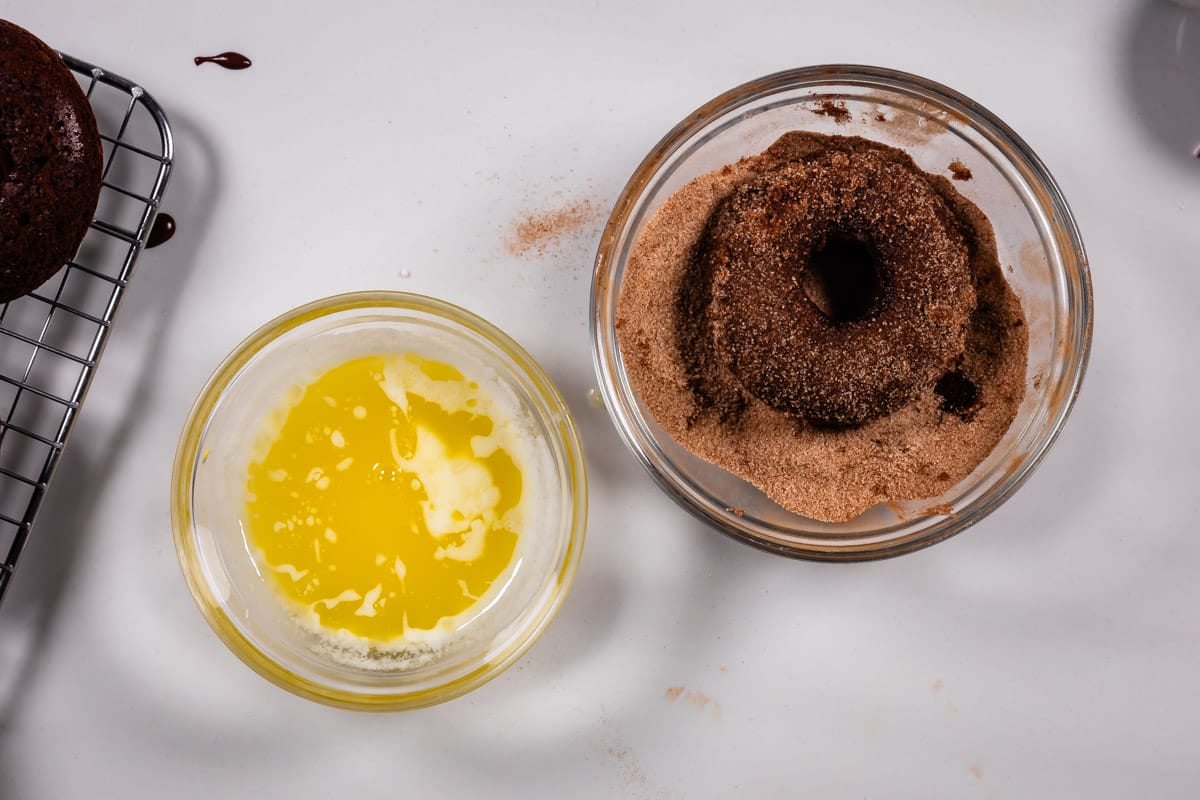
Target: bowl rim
1067	239
184	468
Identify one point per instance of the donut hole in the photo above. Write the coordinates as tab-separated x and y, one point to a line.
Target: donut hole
842	277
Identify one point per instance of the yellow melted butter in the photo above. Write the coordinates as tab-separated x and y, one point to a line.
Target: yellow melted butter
387	501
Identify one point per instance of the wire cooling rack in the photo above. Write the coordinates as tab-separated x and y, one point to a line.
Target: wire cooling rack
51	340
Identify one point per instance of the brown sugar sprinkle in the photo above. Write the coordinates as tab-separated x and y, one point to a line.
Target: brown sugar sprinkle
535	232
959	171
829	473
834	109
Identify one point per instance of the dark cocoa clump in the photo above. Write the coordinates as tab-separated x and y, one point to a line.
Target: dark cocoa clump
958	392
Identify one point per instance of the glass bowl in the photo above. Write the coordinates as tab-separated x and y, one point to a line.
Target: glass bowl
209	488
1039	248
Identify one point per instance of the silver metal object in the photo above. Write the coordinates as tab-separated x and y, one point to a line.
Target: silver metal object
51	341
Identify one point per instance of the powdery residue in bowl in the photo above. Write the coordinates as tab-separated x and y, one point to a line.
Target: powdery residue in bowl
834	109
833	475
960	171
910	128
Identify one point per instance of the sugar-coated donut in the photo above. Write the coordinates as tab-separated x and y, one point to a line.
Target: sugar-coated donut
838	286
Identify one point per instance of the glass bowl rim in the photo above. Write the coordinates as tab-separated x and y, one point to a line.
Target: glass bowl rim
1069	244
183	475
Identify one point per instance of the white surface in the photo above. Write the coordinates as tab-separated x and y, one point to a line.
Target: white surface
1051	651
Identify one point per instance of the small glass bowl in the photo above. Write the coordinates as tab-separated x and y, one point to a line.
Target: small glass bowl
1039	247
208	490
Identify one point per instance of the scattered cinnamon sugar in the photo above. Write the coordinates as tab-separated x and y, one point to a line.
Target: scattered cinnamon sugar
959	171
939	510
626	761
698	700
535	232
831	474
834	109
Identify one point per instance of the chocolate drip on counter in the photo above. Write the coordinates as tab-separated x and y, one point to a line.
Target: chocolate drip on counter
162	230
228	60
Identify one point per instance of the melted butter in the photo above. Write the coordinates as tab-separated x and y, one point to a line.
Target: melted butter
387	501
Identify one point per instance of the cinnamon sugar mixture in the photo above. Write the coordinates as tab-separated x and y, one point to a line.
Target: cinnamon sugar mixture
828	473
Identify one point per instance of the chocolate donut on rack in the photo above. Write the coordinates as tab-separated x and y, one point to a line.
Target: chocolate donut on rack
837	287
50	162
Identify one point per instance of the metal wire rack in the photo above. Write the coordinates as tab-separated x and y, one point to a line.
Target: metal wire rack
52	339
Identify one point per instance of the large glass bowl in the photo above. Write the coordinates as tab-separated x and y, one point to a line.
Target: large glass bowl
1039	248
208	499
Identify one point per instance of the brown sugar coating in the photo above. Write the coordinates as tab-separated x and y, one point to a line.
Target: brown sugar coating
50	162
838	287
677	355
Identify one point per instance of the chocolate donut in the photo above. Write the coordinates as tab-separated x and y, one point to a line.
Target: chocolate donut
50	162
838	286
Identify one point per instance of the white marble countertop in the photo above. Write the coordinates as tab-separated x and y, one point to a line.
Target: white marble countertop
1051	651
